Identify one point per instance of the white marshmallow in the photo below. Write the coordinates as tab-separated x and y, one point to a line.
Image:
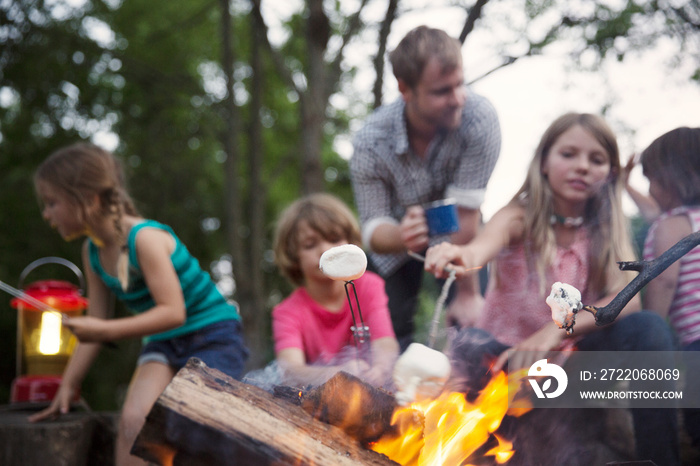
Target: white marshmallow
346	262
565	301
420	373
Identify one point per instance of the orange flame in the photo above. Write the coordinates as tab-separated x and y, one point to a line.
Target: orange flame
449	429
164	454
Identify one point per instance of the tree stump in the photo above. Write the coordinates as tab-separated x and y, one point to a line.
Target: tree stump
74	439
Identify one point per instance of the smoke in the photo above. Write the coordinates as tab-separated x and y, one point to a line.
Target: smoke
347	359
472	352
266	378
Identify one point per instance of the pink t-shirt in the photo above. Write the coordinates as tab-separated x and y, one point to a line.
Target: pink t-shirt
517	309
684	313
300	322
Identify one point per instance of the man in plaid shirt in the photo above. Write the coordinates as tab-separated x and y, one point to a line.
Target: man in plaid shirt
439	140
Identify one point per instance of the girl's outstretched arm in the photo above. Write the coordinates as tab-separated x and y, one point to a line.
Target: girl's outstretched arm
504	228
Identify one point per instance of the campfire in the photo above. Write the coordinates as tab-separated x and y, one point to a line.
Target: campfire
451	430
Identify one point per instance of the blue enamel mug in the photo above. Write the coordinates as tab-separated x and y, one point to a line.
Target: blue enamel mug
441	217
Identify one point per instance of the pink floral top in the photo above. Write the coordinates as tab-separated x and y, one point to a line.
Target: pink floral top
516	308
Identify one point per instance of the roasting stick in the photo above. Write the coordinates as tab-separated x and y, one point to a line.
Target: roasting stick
440	304
41	305
30	299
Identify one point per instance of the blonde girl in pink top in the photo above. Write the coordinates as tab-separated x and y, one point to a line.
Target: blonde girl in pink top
564	224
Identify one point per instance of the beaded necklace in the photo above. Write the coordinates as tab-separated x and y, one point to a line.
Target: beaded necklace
573	222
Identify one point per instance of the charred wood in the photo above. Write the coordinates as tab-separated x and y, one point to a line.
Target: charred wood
361	410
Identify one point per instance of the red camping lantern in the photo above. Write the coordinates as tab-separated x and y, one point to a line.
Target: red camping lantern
44	344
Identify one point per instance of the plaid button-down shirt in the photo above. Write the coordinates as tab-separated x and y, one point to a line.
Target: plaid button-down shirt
388	177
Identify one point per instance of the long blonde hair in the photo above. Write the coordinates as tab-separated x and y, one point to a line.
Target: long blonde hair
82	170
606	223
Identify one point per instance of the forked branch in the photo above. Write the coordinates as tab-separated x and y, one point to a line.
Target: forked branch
648	270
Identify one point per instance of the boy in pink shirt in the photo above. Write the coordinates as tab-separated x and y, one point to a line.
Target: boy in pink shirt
311	327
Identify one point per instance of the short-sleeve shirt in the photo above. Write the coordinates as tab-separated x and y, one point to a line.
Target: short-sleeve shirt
300	322
684	313
388	176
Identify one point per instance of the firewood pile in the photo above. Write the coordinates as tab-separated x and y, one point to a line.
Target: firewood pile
206	418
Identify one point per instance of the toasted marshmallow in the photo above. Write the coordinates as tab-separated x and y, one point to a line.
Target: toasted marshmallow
420	373
346	262
565	302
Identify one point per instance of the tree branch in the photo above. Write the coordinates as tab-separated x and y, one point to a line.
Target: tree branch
353	25
648	270
378	61
474	14
277	59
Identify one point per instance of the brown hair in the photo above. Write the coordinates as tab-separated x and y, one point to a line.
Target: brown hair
324	213
82	170
673	159
607	224
409	58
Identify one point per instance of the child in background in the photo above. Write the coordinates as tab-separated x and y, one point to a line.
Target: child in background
177	308
648	208
564	224
672	165
311	327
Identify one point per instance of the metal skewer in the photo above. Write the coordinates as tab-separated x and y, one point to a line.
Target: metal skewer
30	299
41	305
361	332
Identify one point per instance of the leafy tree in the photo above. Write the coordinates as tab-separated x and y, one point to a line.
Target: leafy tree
221	128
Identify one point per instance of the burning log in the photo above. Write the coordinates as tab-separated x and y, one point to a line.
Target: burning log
362	411
205	417
648	270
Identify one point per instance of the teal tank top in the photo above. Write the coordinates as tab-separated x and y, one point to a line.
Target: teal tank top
204	303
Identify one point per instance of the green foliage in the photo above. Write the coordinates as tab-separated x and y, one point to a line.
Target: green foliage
146	85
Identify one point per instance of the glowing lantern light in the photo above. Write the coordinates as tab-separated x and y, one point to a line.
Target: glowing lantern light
44	344
50	333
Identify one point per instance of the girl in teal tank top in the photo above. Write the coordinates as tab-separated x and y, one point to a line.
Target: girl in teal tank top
177	309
